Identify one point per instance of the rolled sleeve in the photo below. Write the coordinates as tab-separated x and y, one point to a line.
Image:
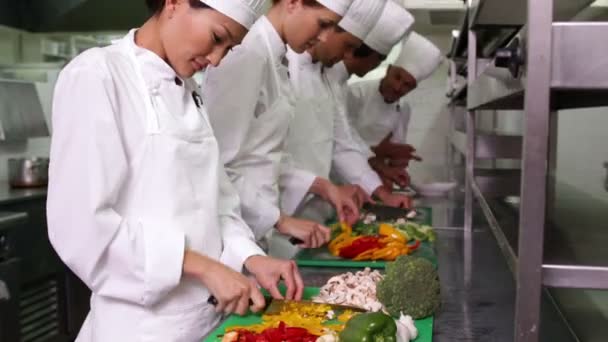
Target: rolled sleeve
369	181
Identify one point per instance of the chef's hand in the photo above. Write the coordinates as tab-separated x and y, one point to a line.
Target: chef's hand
358	194
342	198
400	153
232	290
391	199
270	271
313	234
388	173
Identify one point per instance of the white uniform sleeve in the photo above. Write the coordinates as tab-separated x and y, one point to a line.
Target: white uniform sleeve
237	237
231	93
354	104
116	257
294	184
403	122
349	159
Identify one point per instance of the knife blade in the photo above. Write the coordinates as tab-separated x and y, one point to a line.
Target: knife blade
277	306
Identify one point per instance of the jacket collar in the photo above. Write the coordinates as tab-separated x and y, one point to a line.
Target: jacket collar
277	47
154	68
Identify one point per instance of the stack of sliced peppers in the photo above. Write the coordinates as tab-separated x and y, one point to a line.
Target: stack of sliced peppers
279	334
388	245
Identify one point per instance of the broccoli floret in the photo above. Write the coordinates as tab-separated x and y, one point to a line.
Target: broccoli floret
410	286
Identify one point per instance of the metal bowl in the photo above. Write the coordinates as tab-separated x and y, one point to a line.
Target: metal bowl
28	172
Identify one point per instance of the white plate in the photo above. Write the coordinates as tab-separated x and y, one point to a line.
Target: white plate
434	189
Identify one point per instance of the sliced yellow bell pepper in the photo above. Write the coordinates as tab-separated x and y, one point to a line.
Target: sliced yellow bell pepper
346	228
366	255
389	231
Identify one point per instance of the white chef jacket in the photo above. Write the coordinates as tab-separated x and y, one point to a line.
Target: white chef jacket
372	117
241	95
351	154
347	156
112	216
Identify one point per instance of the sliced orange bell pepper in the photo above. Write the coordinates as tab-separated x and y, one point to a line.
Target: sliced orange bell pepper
366	255
387	230
346	228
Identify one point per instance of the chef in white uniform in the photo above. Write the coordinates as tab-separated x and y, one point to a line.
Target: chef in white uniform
310	138
377	108
251	104
139	205
350	161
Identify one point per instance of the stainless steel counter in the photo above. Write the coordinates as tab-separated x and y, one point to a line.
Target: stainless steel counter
8	195
9	218
478	290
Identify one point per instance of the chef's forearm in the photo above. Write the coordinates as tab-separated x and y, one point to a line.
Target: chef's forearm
320	187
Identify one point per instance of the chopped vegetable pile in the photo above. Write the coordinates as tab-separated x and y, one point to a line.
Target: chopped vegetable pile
279	334
370	243
357	289
312	317
410	230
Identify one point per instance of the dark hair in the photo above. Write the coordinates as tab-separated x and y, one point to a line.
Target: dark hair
156	6
365	51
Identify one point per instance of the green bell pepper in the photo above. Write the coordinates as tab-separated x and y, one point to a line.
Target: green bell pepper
370	327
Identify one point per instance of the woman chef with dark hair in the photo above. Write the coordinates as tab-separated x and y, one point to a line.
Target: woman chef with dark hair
139	205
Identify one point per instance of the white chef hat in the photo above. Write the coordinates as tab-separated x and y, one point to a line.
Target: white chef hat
419	56
338	6
244	12
394	24
361	17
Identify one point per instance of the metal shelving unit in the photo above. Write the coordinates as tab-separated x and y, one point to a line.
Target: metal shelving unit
549	64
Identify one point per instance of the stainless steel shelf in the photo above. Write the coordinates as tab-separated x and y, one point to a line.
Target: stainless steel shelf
458	98
573	259
490	146
548	65
575	276
492	13
497	183
579	72
503	243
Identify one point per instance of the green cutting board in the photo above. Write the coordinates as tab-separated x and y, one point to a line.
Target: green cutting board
424	326
321	257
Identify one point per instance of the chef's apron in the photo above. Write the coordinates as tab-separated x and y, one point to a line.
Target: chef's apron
256	173
178	189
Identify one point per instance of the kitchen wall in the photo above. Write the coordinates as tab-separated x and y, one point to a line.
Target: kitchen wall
10	53
9	45
581	146
583	150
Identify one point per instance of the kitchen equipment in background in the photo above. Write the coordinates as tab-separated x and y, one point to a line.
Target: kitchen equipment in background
28	172
9	277
434	189
21	113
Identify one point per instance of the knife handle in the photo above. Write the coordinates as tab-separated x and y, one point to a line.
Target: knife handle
295	241
213	301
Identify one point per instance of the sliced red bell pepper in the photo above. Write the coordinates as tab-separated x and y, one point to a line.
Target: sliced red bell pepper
414	246
359	246
282	333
